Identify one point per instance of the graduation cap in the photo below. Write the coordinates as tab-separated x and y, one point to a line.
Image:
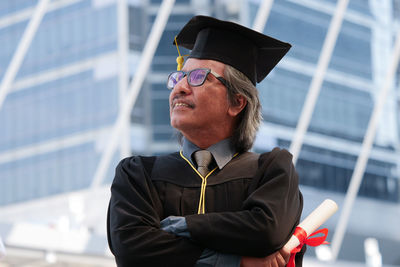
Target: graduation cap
251	52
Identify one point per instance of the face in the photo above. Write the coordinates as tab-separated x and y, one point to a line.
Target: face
201	108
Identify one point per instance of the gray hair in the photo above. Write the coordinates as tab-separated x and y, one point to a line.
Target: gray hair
250	117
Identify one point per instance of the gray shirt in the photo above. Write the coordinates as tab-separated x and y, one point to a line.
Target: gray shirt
222	152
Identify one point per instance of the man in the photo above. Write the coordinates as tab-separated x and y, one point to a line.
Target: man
213	203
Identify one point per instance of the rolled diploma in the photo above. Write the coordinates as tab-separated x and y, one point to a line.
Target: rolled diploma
320	215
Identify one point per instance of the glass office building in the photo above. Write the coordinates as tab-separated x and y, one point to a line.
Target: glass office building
66	96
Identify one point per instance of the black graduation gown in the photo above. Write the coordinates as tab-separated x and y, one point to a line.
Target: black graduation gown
252	207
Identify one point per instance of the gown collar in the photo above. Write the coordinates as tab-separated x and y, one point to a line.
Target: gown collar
223	151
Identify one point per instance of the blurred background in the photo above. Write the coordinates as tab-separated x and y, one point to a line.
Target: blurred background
83	85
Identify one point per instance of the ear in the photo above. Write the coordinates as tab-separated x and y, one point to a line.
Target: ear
238	105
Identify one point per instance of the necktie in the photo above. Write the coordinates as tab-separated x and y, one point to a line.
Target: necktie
203	159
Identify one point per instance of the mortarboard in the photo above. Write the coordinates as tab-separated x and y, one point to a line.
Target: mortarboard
251	52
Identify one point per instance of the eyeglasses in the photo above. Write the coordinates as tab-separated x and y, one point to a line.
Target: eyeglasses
195	77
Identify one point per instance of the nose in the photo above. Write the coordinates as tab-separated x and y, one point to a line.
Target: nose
182	87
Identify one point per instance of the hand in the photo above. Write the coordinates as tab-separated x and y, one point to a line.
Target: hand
277	259
175	225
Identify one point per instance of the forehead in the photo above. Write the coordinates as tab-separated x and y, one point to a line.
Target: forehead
194	63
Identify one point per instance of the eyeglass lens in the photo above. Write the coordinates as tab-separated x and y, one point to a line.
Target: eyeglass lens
196	77
174	78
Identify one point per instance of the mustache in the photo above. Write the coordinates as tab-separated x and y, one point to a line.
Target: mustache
181	99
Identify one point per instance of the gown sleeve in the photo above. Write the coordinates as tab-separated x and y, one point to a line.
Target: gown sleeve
133	222
268	217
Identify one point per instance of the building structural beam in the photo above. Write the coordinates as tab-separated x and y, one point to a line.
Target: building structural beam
329	143
365	151
90	64
318	78
21	50
351	15
26	13
49	146
136	84
335	76
262	15
123	74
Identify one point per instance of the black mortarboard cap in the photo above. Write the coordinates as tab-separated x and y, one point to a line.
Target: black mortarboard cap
251	52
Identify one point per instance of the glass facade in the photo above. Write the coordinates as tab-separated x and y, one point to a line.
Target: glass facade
60	94
342	110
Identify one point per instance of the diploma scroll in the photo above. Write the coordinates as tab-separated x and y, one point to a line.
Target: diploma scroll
320	215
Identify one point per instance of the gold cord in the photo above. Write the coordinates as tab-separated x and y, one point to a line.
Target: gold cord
180	60
201	208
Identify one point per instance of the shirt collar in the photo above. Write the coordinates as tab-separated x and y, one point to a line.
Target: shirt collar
223	151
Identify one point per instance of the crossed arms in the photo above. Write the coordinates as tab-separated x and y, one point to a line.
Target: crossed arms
261	228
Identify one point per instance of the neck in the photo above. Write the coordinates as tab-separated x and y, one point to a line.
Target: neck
206	138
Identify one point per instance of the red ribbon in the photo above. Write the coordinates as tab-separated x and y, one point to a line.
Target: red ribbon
311	241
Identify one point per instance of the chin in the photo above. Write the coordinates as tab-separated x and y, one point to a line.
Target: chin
176	124
181	125
179	121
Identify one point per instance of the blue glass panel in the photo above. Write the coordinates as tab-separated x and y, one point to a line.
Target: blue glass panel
282	95
160	113
361	6
48	174
341	111
157	87
304	28
352	53
9	38
71	34
58	108
8	7
168	136
165	47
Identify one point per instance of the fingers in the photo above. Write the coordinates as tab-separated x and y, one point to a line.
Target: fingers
285	253
277	259
280	259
